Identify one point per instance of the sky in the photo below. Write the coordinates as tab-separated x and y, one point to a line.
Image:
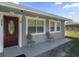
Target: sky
66	9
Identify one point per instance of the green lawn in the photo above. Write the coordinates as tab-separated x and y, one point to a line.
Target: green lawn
75	48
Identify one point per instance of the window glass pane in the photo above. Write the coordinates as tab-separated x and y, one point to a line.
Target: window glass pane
31	26
58	26
40	25
67	28
52	24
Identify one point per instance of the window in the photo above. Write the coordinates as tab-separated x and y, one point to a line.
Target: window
58	26
72	28
40	25
31	26
36	25
52	26
67	28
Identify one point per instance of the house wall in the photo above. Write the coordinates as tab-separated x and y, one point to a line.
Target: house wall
72	31
1	34
72	28
42	37
24	41
23	30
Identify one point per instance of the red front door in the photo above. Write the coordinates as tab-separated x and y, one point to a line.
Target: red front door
10	31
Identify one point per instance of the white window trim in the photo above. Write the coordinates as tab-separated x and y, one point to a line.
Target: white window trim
55	29
60	26
35	18
49	26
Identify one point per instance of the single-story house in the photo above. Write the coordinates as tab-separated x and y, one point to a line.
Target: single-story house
72	29
15	23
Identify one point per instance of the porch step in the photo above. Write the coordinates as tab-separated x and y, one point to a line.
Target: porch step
12	51
22	55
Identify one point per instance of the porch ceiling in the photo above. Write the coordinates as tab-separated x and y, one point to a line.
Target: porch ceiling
28	11
17	11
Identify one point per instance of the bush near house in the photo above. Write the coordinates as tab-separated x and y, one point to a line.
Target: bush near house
75	48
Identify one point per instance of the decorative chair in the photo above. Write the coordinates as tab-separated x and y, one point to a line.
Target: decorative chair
30	42
49	37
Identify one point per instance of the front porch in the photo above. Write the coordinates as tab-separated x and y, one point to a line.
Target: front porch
36	50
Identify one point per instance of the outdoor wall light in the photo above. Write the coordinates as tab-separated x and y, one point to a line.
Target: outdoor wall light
21	10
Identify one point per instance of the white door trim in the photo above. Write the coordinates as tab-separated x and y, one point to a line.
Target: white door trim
20	25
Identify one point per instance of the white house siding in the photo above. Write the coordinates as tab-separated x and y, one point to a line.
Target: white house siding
24	41
37	38
42	37
1	34
59	35
23	30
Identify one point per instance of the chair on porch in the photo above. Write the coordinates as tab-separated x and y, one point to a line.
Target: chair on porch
49	37
30	42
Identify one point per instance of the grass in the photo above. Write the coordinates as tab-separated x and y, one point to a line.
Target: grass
75	48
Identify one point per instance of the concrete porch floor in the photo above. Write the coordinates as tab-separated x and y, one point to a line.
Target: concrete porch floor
35	50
